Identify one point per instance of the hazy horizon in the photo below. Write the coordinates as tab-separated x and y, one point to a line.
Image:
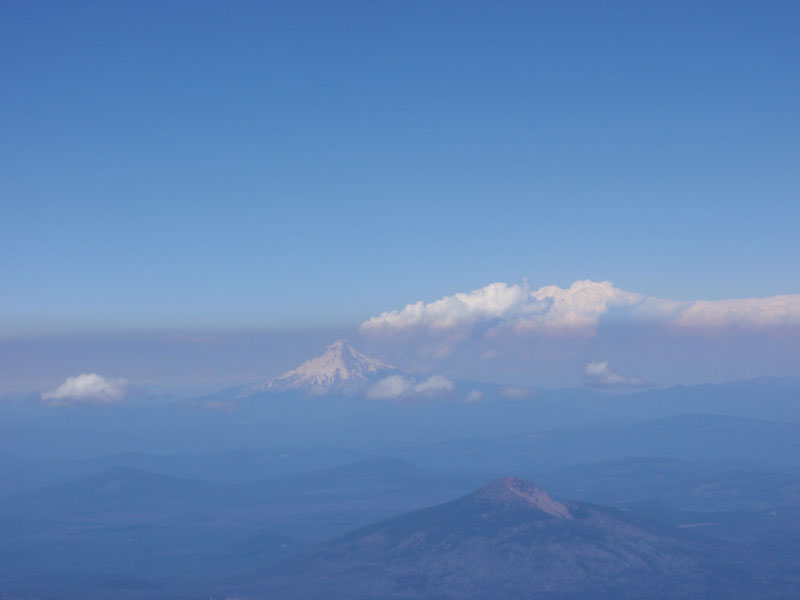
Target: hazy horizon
399	300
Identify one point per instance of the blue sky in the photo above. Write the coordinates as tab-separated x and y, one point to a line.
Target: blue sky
251	166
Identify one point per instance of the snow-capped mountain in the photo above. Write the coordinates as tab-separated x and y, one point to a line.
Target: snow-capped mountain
341	369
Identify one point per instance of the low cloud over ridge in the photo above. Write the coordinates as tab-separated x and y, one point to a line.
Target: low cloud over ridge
87	388
397	386
600	376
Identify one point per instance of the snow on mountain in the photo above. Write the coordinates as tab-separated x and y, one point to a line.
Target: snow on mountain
341	368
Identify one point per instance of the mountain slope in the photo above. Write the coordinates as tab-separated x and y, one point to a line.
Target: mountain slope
507	540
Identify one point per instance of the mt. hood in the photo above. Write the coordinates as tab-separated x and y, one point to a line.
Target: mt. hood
340	369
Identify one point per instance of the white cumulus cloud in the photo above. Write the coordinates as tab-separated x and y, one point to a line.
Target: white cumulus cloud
549	309
599	375
578	310
490	302
744	312
87	388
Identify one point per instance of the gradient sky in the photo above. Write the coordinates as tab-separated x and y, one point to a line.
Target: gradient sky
253	165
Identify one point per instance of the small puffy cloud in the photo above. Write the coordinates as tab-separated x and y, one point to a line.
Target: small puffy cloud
474	396
87	388
434	384
393	386
491	354
517	392
396	386
599	375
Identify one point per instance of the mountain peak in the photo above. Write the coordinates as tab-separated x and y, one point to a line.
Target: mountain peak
512	491
341	368
340	345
